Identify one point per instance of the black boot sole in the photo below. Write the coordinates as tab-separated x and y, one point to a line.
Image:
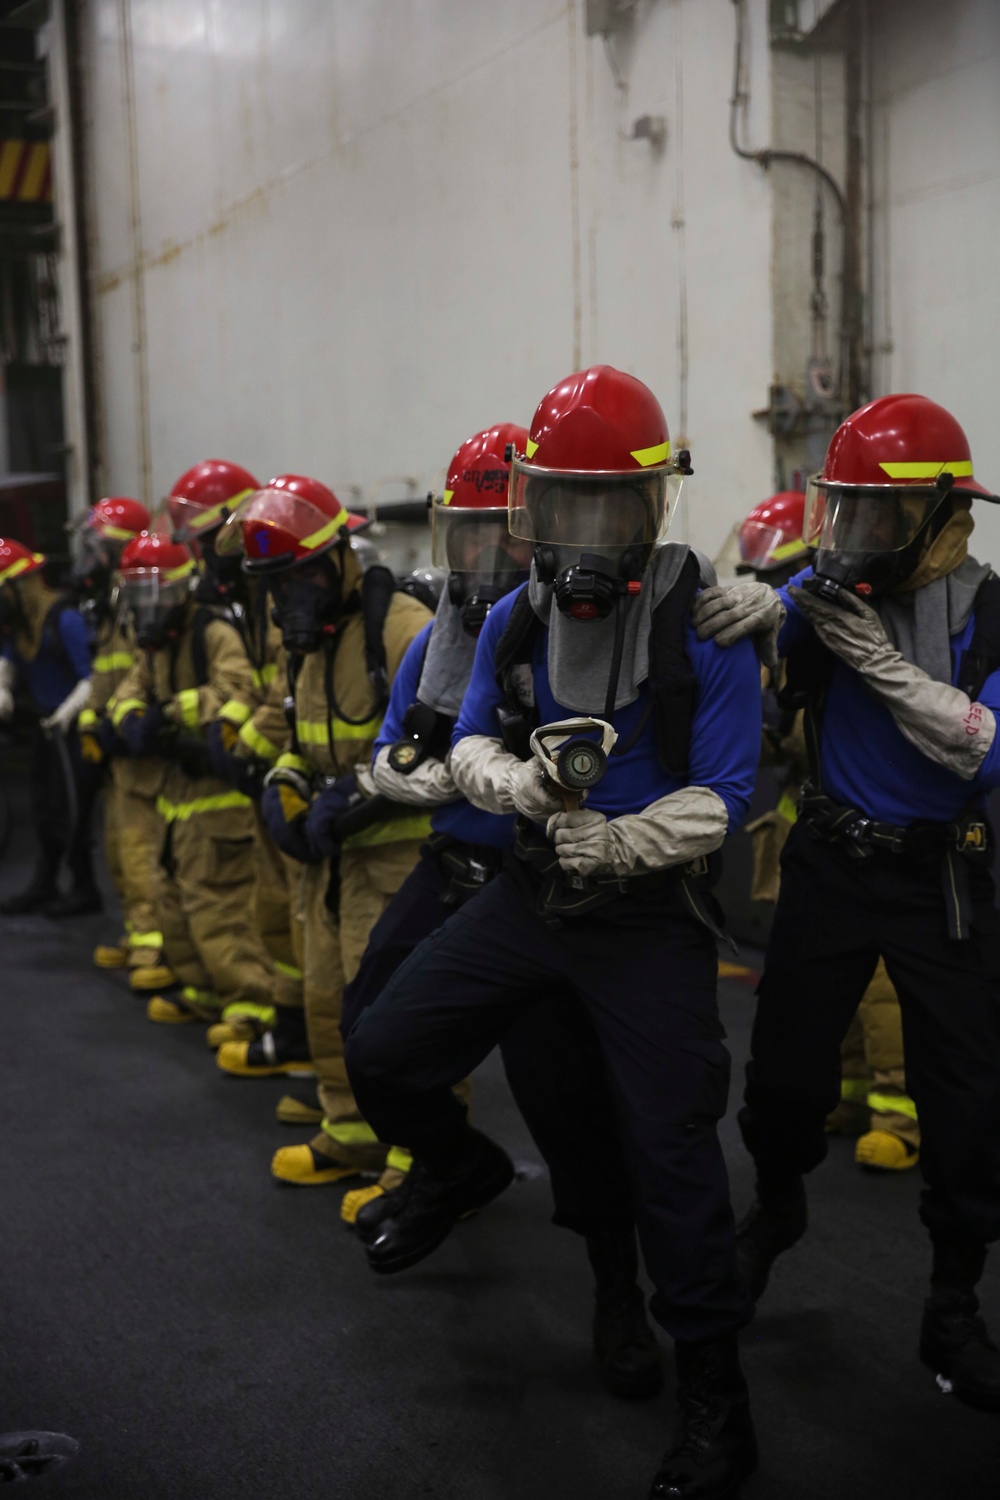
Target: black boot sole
948	1386
732	1490
498	1182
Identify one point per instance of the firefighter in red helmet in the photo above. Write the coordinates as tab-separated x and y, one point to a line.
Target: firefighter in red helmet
627	750
891	641
189	661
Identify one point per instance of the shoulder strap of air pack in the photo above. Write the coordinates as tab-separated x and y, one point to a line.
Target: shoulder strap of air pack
512	665
673	686
378	585
982	658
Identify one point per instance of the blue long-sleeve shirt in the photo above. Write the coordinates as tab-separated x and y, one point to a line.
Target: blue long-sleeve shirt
865	759
725	732
459	819
58	665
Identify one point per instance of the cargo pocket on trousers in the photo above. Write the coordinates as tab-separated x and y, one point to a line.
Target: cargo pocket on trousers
710	1066
230	861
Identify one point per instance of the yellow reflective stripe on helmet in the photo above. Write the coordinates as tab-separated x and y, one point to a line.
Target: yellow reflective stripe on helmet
316	731
397	831
350	1132
212	512
892	1104
854	1089
180	812
292	762
530	448
117	533
124	708
265	676
658	454
288	970
22	563
788	549
172	574
325	532
401	1160
960	467
87	719
245	1010
788	807
114	661
145	939
236	712
446	498
259	743
187	707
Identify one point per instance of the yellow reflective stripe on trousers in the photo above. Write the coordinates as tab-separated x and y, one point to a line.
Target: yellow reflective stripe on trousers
194	996
179	812
236	712
855	1089
126	706
288	970
398	831
258	743
350	1132
186	703
400	1159
315	731
265	676
114	661
145	939
246	1010
892	1104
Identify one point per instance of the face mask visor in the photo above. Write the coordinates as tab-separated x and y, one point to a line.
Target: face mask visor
193	522
862	521
477	546
595	511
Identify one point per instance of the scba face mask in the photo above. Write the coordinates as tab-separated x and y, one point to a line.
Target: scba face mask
587	585
308	601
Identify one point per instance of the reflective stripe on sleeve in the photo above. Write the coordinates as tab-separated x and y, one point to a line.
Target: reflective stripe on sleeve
316	731
114	661
396	831
258	743
124	708
186	702
236	712
180	812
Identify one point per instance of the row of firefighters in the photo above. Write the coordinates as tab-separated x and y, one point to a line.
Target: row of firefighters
369	833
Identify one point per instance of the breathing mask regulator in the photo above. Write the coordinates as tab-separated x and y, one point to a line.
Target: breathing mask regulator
307	602
221	579
156	621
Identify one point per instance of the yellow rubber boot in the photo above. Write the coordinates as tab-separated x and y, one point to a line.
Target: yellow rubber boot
255	1060
397	1164
157	978
111	955
169	1012
229	1031
884	1152
303	1167
292	1111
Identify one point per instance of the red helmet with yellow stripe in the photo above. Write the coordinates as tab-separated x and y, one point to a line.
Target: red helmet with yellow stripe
16	560
771	535
205	495
889	469
156	578
117	518
291	520
597	465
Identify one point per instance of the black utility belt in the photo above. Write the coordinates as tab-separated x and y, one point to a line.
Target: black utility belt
970	835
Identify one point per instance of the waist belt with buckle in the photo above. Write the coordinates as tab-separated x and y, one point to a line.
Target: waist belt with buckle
970	837
468	866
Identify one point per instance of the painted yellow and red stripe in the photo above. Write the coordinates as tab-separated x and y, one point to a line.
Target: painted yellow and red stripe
25	172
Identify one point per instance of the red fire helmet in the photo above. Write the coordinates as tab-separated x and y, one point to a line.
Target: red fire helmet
771	535
117	518
205	495
16	560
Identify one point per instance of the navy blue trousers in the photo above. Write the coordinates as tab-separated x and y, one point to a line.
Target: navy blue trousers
834	917
552	1059
650	994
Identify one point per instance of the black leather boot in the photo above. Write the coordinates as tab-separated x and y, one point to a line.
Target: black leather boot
43	887
774	1222
35	1455
437	1191
714	1448
954	1341
285	1042
627	1352
371	1214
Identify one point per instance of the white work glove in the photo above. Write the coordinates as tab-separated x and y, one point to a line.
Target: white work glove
496	781
428	785
941	720
728	615
8	676
64	717
672	831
